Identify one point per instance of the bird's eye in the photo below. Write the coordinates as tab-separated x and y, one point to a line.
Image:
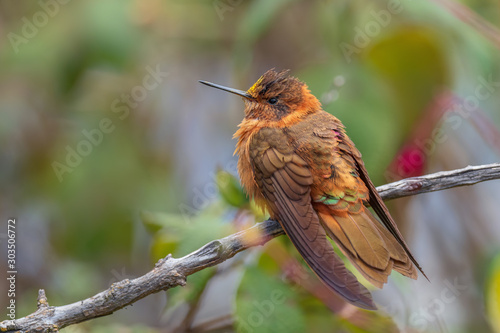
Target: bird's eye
273	100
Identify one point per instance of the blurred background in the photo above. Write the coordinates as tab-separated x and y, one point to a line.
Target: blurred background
112	155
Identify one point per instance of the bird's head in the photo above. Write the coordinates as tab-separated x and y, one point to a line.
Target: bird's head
275	97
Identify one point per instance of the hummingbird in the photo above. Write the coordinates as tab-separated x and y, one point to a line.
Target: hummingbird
296	161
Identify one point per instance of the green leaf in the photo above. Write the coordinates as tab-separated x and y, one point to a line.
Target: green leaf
266	304
230	189
162	244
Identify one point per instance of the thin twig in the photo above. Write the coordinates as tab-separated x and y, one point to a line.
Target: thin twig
170	272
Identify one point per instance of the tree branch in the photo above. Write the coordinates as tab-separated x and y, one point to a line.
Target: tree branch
170	272
439	181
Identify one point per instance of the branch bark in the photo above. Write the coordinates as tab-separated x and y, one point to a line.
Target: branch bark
170	272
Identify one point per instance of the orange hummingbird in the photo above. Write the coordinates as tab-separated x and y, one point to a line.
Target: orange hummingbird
297	162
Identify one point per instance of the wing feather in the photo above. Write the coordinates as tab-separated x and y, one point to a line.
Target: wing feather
285	183
380	208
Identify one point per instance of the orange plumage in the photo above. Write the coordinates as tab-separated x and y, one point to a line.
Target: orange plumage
296	161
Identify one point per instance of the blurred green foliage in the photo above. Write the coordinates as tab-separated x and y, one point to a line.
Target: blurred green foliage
270	300
230	189
493	293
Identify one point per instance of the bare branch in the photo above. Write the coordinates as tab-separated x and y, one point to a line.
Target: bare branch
170	272
440	181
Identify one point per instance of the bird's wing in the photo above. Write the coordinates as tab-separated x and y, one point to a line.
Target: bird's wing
285	179
378	204
339	200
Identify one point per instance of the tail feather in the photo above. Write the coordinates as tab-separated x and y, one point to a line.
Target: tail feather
402	263
370	247
366	240
375	276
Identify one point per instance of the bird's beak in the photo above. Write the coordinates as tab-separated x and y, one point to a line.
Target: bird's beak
241	93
